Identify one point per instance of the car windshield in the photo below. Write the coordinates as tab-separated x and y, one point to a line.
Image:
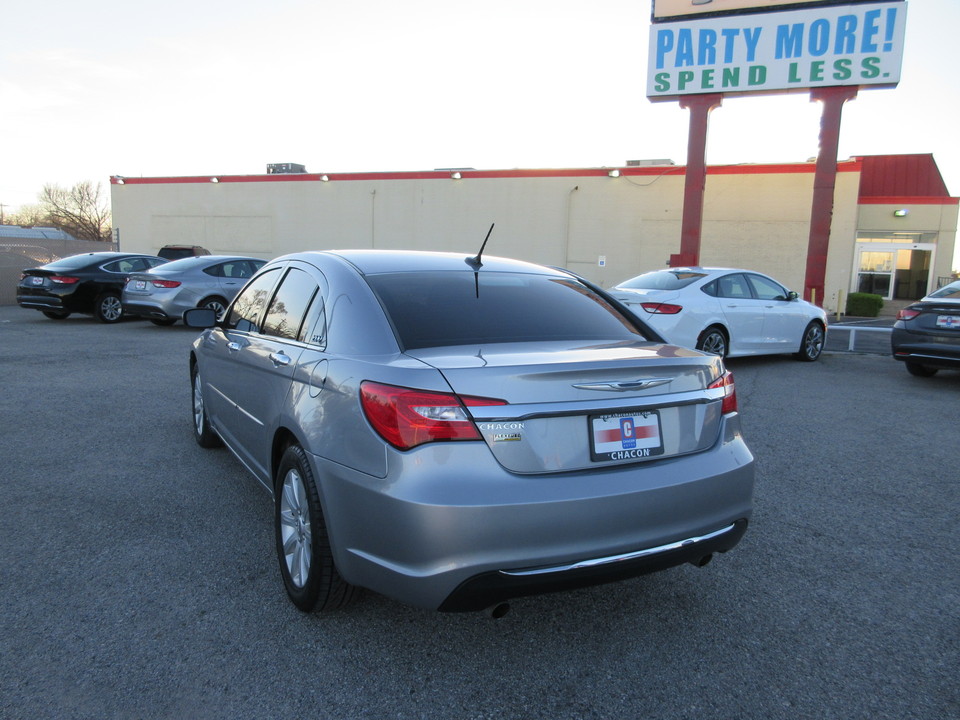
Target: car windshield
948	292
435	309
662	280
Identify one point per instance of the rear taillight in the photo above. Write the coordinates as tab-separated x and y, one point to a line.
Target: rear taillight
907	314
165	283
405	417
725	381
661	308
63	279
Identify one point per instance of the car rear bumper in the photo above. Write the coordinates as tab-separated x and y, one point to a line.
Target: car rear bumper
147	311
43	302
488	589
465	540
931	350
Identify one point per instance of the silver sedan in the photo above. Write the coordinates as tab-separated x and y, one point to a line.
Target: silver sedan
454	432
208	281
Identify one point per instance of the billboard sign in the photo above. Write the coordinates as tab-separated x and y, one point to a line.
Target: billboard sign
859	44
671	9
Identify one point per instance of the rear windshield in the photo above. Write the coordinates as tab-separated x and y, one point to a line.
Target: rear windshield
948	292
77	261
432	309
187	263
662	280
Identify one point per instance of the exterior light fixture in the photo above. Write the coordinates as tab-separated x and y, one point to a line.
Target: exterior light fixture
214	180
119	180
614	173
455	176
902	212
324	178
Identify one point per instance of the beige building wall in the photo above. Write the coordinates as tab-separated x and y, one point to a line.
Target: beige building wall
606	228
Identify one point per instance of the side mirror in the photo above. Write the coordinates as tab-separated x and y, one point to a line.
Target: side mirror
791	296
200	318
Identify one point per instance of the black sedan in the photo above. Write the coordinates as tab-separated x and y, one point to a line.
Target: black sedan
90	284
926	335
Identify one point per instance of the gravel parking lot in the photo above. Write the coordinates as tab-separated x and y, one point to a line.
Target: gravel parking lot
138	576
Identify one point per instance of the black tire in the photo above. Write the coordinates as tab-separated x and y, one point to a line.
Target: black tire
811	345
217	304
107	308
56	314
920	370
163	322
303	547
713	340
202	432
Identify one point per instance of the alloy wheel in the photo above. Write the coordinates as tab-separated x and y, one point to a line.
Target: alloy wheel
295	530
197	404
714	343
813	342
110	308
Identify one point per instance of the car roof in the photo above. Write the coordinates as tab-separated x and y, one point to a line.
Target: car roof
370	262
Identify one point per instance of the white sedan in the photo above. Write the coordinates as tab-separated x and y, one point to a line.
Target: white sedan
725	311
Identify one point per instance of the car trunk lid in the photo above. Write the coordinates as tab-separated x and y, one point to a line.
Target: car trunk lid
570	408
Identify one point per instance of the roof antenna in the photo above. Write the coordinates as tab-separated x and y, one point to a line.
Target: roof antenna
475	262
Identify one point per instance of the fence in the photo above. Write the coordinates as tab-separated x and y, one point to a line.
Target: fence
16	254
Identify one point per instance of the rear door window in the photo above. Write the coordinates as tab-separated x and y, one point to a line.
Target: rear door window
734	286
289	305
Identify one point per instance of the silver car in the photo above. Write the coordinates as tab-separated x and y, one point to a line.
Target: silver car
454	432
208	281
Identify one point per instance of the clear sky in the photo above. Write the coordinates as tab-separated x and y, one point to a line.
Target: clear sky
219	87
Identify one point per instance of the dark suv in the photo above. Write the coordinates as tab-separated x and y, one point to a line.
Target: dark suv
178	252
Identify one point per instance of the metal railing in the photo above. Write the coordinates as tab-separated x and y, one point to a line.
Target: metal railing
876	339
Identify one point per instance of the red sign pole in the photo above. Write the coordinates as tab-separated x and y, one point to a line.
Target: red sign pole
696	177
824	184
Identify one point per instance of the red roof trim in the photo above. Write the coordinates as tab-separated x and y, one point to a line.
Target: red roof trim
906	200
645	171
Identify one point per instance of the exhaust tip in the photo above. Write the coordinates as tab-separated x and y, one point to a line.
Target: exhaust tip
498	611
702	561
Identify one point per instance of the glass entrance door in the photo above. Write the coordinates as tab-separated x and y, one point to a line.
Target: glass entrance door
893	271
912	273
875	273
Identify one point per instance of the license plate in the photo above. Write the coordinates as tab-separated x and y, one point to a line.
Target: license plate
140	284
625	436
36	280
948	321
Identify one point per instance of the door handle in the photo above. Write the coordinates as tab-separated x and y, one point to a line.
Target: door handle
233	346
279	359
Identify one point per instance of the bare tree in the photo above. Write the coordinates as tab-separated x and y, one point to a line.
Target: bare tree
81	210
28	216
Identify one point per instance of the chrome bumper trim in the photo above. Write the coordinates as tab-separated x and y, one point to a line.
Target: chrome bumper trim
581	564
